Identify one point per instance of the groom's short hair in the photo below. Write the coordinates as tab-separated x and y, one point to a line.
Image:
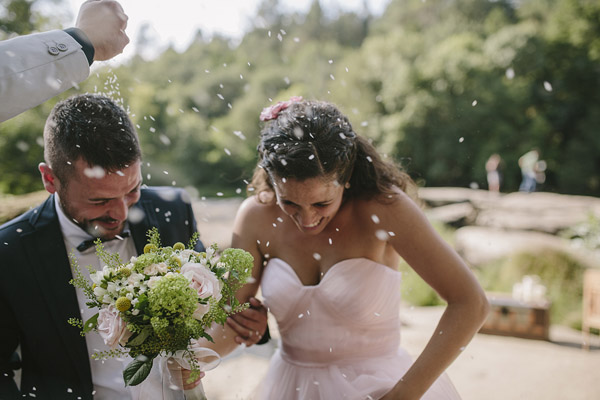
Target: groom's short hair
93	128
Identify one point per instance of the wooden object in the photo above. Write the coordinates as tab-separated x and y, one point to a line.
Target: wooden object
591	304
510	317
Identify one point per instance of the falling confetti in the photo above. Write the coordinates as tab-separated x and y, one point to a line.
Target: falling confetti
382	235
239	134
94	172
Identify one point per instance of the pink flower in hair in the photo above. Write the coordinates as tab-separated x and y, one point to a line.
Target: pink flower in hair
272	112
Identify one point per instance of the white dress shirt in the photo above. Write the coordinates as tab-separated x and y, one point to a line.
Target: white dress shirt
107	375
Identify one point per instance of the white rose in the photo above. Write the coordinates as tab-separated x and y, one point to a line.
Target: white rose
99	292
135	278
162	268
151	269
152	281
186	254
206	284
112	328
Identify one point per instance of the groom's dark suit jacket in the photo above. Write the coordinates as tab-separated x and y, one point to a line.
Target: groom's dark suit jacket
36	299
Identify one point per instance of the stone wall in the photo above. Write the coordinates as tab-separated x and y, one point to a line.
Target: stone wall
493	225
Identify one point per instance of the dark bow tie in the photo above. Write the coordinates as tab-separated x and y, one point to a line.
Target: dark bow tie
86	244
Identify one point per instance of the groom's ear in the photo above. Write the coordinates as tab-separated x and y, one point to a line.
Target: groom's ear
48	177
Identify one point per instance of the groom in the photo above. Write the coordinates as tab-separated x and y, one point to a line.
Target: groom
92	171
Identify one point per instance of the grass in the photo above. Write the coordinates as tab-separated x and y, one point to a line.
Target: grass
414	289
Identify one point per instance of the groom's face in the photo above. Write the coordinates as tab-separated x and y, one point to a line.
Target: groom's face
99	201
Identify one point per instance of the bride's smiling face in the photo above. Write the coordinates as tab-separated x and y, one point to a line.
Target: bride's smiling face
311	203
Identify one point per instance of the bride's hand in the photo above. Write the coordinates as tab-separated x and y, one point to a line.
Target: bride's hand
185	375
175	368
250	325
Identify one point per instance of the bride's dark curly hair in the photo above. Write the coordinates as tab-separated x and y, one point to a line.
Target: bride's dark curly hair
312	139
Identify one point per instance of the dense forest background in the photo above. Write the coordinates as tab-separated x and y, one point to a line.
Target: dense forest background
438	85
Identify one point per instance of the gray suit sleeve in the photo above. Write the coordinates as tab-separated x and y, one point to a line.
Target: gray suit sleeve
36	67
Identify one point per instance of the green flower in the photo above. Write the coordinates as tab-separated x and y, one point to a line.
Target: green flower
125	272
150	248
173	298
123	304
175	263
179	246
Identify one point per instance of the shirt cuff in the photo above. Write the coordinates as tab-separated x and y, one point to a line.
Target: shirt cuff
84	41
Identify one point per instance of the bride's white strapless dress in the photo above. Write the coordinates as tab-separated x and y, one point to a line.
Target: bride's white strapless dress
340	339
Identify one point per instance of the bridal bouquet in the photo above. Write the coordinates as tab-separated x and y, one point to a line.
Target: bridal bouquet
160	302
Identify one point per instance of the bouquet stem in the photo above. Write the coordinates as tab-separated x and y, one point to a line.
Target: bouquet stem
196	393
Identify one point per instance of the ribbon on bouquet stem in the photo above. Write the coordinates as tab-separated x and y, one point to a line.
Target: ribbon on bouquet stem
165	381
172	366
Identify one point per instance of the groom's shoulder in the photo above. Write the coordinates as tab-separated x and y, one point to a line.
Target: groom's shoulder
22	224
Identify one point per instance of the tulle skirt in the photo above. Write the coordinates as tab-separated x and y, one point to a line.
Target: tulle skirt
358	379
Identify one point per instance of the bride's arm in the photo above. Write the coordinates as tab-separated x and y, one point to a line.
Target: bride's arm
248	326
442	268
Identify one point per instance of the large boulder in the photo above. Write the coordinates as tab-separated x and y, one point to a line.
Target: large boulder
441	196
479	245
539	211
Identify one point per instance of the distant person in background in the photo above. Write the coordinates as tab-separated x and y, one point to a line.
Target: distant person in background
492	167
36	67
540	172
527	163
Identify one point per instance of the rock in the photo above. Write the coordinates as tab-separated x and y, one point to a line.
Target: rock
459	214
479	245
539	211
440	196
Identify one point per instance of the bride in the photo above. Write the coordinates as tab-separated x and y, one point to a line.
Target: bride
327	224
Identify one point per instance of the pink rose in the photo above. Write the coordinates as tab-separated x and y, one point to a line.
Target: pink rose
203	281
112	328
273	111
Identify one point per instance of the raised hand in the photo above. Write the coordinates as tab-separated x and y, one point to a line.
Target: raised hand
104	23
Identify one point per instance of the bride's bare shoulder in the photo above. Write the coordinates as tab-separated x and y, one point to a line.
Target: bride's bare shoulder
255	210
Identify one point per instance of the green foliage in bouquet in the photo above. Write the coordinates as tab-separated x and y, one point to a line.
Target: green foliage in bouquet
162	300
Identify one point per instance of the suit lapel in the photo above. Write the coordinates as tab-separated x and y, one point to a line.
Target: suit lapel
48	258
149	220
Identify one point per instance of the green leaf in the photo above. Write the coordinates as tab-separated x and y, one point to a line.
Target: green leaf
139	339
90	323
207	337
137	371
